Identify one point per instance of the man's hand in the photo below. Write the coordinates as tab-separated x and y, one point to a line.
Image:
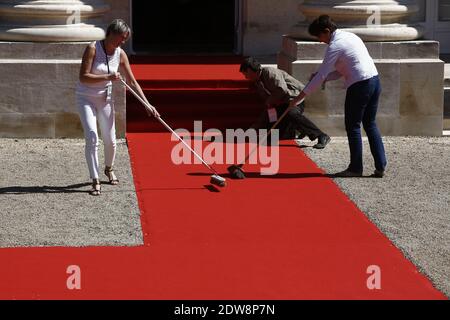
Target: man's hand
323	83
293	104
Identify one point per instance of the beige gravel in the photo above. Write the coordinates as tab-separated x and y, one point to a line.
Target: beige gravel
44	198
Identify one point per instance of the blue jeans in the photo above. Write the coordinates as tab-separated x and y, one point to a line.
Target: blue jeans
361	104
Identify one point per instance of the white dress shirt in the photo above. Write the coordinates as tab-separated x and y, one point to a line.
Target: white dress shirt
347	57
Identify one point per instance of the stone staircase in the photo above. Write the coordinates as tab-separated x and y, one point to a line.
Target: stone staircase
189	89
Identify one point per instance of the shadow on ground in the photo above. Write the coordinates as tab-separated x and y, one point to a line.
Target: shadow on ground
17	190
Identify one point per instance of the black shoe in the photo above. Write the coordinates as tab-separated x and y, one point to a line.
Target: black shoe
299	136
323	141
347	174
378	174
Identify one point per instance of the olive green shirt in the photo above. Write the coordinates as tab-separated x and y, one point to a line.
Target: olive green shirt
277	87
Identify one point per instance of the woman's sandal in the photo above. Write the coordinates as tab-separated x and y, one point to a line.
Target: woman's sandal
96	188
109	172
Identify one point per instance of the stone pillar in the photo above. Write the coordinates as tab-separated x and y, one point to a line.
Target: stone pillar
51	20
371	20
410	70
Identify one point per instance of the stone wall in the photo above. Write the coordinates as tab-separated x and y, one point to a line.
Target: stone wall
38	96
411	76
41	66
265	23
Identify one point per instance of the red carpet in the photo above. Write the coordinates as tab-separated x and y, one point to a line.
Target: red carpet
292	236
210	89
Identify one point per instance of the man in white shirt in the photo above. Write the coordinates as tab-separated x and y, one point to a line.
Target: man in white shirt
347	57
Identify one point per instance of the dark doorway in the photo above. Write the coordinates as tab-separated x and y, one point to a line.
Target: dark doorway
184	26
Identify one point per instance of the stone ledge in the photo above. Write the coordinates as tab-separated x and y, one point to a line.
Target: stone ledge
310	50
35	50
69	33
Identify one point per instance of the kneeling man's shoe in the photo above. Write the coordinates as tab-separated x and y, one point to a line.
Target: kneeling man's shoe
323	141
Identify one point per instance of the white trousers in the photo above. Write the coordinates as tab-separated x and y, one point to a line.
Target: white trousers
90	110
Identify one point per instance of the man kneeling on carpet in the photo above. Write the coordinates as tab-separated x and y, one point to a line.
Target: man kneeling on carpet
278	88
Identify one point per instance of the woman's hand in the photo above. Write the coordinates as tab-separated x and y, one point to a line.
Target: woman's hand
114	76
151	111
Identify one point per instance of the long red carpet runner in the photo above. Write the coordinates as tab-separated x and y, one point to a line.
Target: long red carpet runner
294	235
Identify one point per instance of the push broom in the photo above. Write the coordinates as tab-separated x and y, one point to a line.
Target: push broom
236	171
216	179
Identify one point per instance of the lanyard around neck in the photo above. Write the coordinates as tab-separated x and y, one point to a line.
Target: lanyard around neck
106	55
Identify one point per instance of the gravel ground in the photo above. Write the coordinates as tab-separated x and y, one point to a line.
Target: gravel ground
44	198
411	204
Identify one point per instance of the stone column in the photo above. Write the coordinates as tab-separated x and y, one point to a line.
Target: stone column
371	20
51	20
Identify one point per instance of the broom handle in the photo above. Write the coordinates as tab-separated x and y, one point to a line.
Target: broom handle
146	105
268	134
